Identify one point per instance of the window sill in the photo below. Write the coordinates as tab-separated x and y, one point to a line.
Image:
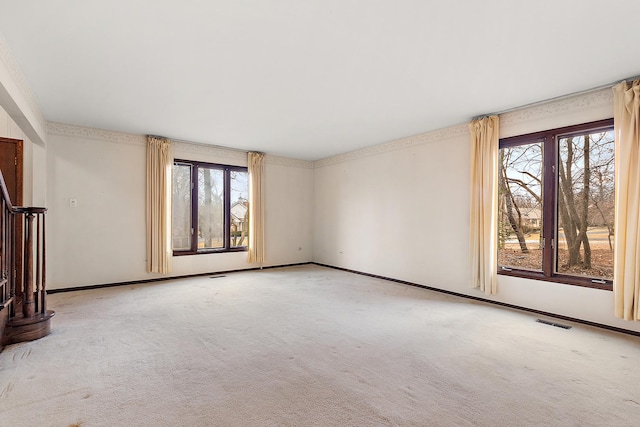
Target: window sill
210	251
562	279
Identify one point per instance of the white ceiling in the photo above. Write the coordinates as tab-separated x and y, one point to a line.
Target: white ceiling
309	79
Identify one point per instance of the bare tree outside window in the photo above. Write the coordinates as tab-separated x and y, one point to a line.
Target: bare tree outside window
181	207
586	204
556	203
210	208
520	207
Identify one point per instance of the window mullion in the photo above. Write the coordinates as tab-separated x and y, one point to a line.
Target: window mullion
194	209
549	203
227	208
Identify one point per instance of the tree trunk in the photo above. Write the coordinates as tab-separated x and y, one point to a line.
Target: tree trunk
584	220
510	206
575	218
207	232
566	206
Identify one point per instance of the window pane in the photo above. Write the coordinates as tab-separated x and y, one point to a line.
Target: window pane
210	208
239	208
586	205
181	207
520	207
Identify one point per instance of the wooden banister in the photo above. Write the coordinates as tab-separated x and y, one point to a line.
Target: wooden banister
23	311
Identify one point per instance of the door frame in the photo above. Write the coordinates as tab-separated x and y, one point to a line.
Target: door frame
19	168
18	202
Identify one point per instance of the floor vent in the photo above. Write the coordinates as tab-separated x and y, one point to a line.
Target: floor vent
217	277
557	325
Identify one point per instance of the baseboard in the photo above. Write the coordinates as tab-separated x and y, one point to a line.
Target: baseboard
502	304
164	279
376	276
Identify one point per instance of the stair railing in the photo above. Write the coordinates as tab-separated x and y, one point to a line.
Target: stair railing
23	296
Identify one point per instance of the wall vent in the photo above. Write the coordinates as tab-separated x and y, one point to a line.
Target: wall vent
557	325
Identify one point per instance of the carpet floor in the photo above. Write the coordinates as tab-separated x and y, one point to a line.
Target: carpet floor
311	346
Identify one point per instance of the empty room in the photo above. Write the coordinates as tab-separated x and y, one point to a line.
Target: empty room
327	213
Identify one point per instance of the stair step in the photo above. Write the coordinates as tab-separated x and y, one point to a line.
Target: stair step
20	329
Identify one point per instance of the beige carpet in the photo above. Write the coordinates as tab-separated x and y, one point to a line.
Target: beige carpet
311	346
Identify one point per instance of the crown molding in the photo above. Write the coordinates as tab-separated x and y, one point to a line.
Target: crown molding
212	150
399	144
598	98
240	155
286	161
595	99
62	129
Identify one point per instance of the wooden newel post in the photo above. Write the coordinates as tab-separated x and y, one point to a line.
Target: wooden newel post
28	302
43	288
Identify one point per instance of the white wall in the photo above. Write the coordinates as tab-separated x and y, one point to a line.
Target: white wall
401	210
102	240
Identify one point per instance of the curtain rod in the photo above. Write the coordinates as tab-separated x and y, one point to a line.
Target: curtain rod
558	98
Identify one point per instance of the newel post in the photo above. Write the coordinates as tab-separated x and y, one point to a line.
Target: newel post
28	302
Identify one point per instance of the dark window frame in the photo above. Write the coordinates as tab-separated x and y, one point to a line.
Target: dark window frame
549	140
227	169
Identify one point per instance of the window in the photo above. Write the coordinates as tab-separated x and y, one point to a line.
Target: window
210	208
556	205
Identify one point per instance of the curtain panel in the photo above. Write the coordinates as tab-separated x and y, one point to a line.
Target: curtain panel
158	204
484	204
626	276
256	208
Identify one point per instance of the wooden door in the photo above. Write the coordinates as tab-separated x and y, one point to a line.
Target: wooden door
11	167
11	157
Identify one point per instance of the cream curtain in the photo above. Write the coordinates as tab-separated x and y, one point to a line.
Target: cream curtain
256	207
158	206
626	276
484	204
